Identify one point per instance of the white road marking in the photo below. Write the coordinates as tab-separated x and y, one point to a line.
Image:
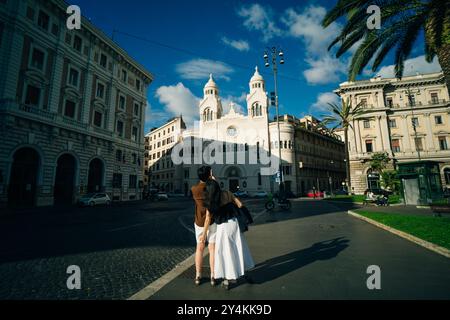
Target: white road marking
180	220
128	227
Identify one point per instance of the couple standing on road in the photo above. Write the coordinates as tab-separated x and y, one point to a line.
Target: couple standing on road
216	223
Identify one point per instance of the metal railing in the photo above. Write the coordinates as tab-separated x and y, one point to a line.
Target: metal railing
37	111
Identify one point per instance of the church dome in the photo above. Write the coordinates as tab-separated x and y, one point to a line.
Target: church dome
211	83
257	76
211	87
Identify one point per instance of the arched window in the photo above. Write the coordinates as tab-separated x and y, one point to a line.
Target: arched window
256	110
447	175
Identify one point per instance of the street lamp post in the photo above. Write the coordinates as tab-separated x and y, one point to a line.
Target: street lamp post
330	178
411	102
275	54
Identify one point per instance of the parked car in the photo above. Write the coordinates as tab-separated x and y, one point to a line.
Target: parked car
175	195
162	196
260	194
93	199
319	194
241	194
340	192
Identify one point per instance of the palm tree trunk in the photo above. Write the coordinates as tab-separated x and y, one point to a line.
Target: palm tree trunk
347	162
444	60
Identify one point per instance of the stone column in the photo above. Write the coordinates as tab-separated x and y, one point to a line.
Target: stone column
406	136
429	146
10	60
380	135
358	137
385	132
56	80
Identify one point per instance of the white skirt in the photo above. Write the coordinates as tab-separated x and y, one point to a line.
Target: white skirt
232	254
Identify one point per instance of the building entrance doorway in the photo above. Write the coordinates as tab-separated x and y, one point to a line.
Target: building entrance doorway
65	179
95	180
23	178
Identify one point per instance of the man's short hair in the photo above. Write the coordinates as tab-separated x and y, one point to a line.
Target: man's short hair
204	173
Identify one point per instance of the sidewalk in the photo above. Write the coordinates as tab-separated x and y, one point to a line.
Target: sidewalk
318	252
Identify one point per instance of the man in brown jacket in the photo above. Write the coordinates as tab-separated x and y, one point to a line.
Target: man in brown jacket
203	216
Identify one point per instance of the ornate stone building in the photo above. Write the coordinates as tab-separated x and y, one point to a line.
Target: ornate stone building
72	109
311	156
408	118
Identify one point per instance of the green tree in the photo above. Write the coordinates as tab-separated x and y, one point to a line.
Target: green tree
402	21
342	116
379	161
390	180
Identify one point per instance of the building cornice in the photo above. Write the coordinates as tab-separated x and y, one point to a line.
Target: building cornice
98	35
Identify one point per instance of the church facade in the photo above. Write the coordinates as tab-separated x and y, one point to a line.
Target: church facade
245	155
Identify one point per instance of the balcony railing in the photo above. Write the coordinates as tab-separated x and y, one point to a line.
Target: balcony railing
38	112
437	101
414	104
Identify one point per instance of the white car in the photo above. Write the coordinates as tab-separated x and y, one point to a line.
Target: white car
162	196
260	194
176	195
93	199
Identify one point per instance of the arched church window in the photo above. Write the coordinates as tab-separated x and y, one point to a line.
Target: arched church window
253	111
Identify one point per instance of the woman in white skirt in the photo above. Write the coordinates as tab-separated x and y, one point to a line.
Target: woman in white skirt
232	255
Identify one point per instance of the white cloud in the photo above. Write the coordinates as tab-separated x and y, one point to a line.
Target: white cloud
324	70
321	104
259	18
240	45
154	118
200	69
412	66
239	103
179	100
306	26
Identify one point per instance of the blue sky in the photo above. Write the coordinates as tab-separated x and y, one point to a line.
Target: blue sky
228	39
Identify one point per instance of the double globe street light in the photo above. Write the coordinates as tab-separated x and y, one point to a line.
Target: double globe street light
276	56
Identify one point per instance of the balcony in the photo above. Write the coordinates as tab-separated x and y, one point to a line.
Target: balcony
434	102
414	104
38	112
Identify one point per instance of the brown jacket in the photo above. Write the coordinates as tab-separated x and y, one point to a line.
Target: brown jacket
198	194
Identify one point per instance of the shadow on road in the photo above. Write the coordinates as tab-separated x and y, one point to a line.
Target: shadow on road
276	267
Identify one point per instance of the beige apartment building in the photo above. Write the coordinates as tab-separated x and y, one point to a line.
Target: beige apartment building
72	109
159	169
408	118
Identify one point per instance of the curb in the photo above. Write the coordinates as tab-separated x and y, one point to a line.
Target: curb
425	244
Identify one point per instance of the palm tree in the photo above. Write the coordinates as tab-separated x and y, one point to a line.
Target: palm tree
401	24
342	116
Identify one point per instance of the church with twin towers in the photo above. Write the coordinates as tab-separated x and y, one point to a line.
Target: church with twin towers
250	155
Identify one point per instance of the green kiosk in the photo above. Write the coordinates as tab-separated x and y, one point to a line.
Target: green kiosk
421	182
